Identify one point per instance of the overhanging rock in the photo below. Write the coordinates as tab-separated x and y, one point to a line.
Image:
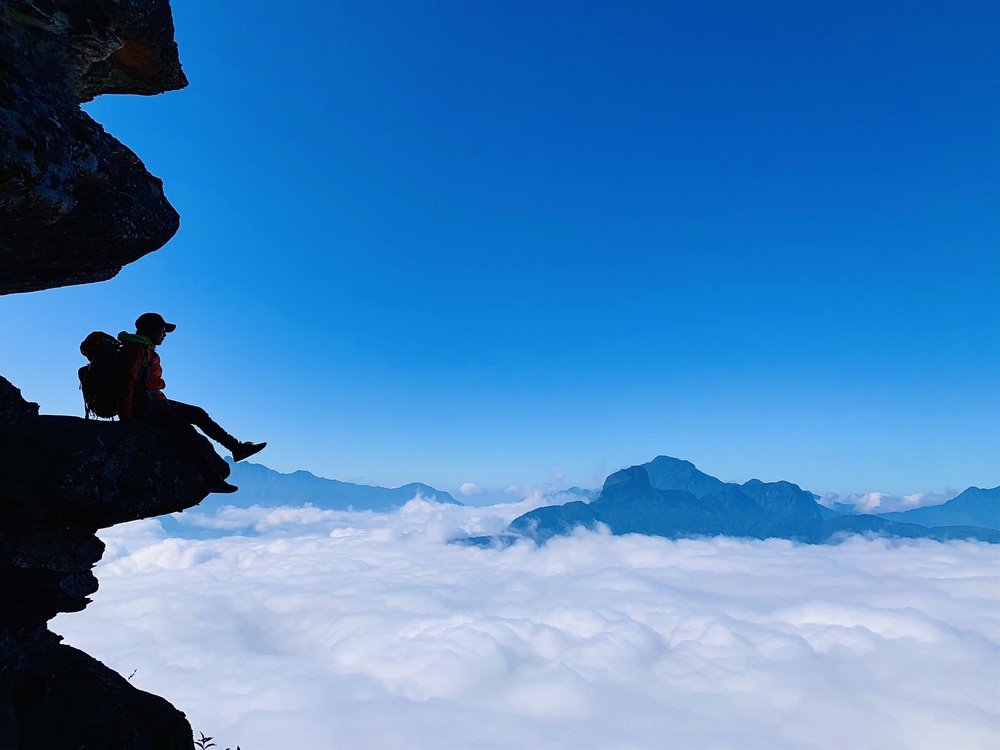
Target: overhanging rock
62	479
75	204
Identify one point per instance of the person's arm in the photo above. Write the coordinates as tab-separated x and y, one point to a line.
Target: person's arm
130	363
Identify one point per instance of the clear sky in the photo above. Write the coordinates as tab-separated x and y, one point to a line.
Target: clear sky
530	242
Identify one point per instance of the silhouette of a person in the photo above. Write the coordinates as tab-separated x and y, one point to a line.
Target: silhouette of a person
140	397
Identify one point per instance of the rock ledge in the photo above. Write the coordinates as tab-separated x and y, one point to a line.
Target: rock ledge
62	479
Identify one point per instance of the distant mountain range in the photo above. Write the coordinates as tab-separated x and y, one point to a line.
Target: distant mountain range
974	507
260	485
665	497
672	498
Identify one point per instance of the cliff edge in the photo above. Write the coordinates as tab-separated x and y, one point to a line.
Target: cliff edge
62	479
75	206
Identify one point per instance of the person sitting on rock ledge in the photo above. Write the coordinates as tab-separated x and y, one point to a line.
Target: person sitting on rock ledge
140	397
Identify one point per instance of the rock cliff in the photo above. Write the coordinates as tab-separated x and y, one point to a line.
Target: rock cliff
75	206
62	479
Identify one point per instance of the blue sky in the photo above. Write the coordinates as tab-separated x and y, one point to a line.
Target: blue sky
471	242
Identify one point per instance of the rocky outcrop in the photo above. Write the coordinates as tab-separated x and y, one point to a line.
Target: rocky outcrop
62	479
59	697
75	204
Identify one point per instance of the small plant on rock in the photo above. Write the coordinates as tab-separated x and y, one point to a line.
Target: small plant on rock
206	742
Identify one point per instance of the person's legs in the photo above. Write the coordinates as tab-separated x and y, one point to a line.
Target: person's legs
199	418
176	423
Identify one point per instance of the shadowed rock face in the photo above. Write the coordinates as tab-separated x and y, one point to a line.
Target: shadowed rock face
75	204
61	479
59	697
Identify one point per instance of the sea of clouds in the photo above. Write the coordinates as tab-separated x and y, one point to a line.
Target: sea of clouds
303	629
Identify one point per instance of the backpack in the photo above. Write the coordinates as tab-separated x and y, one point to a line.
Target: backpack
99	379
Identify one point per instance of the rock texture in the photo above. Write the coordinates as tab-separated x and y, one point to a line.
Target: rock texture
58	697
61	479
75	204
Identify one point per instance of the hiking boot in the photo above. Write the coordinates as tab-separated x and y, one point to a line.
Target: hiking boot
218	484
247	449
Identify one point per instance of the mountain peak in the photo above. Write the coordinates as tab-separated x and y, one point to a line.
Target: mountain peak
636	475
668	473
974	507
664	459
670	497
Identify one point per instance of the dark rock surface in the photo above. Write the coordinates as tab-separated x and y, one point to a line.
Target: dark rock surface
55	697
61	479
75	204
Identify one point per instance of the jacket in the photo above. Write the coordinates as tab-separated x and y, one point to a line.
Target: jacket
140	376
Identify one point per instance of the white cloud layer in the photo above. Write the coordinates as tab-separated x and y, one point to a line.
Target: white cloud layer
362	630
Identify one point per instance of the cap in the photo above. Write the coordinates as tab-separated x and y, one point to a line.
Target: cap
149	321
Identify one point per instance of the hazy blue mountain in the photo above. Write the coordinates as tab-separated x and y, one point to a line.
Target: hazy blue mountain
784	498
580	492
833	513
669	497
781	498
862	524
629	503
260	485
667	473
839	509
974	507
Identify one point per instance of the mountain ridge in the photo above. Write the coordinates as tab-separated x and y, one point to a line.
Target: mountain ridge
670	497
973	507
260	485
